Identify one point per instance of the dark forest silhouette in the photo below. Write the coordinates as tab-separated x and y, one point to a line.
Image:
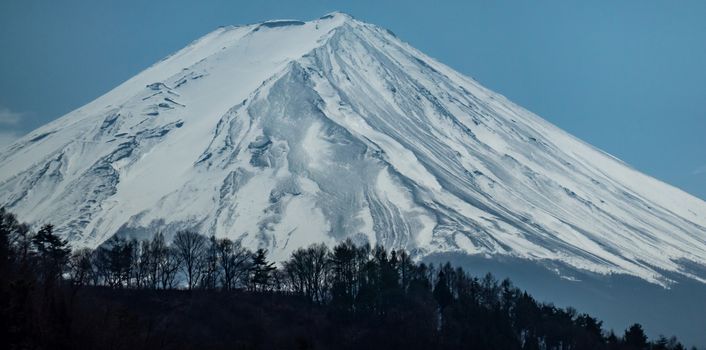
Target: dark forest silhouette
208	293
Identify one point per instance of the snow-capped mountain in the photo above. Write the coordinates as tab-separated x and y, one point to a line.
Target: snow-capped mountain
287	133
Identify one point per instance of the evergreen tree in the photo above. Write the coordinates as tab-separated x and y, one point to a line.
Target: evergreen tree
442	292
635	338
52	252
612	341
261	271
8	224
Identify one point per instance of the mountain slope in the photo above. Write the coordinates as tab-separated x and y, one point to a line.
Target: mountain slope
287	133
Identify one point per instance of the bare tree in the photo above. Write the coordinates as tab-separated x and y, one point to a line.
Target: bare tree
169	265
136	277
113	262
211	268
157	250
191	249
81	269
19	239
234	262
101	264
307	271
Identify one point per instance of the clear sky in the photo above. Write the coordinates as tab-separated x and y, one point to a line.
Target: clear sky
626	76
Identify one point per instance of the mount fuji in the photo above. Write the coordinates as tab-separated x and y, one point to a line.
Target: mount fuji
286	133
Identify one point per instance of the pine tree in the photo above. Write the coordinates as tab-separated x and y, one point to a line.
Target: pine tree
635	337
8	223
345	270
442	293
261	270
52	252
612	341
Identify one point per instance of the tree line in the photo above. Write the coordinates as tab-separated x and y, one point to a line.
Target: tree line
370	297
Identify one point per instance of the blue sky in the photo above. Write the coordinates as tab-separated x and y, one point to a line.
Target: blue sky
628	77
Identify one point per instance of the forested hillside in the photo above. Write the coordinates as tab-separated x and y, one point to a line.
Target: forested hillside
201	292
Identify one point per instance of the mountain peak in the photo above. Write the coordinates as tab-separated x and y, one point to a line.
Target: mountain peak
337	15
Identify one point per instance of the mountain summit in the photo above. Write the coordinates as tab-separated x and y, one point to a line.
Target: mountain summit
287	133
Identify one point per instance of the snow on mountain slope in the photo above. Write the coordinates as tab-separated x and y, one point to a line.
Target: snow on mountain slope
287	133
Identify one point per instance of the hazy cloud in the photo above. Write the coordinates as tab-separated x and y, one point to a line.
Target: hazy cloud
7	137
9	123
700	170
8	117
